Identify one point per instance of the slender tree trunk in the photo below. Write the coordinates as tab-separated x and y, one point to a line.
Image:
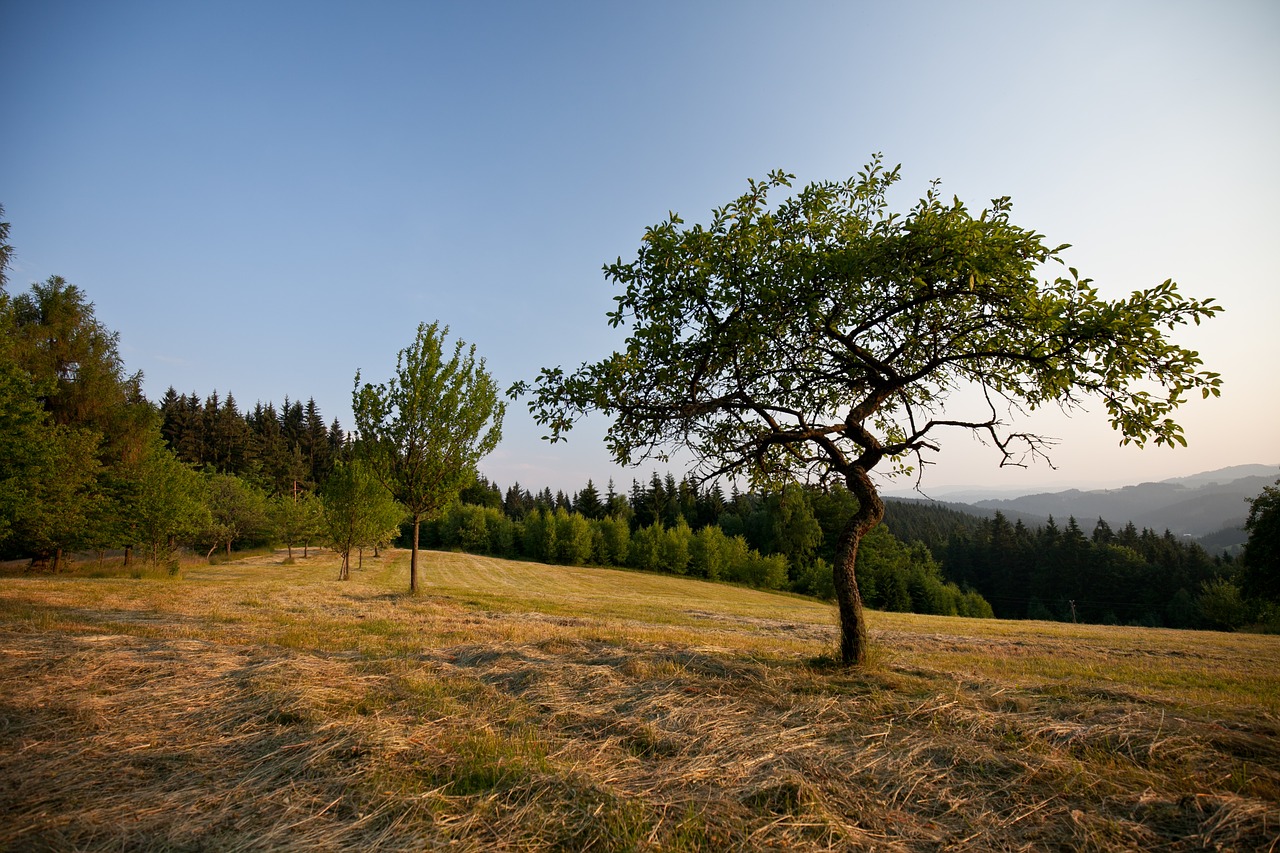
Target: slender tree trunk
128	555
413	556
853	625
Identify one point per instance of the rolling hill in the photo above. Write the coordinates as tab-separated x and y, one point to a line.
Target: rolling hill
1212	504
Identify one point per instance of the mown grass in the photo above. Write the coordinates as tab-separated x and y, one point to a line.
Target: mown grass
514	706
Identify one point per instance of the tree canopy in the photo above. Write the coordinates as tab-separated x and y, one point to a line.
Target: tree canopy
819	337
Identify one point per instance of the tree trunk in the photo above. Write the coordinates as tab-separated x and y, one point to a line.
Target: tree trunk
128	555
853	626
413	557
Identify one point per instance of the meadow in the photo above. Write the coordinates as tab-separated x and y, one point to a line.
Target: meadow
261	704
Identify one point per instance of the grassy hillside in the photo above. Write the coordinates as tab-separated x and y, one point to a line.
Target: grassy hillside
517	706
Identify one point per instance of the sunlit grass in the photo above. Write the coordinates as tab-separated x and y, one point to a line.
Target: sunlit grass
523	706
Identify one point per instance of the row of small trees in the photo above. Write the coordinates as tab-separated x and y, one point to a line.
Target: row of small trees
170	506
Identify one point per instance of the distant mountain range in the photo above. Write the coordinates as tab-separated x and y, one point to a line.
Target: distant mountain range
1210	506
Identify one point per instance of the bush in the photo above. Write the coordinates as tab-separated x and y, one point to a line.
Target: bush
471	528
759	571
1221	604
673	548
572	538
610	541
816	579
710	552
644	553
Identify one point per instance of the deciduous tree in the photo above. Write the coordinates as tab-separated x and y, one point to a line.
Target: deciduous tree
237	510
297	516
425	430
164	501
358	511
824	337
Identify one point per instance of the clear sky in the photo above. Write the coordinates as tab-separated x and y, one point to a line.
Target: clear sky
264	197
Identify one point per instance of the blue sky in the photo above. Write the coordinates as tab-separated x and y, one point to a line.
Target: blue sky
263	198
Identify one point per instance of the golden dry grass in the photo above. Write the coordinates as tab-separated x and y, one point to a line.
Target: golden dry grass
516	706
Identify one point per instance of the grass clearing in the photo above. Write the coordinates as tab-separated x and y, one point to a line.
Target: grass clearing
517	706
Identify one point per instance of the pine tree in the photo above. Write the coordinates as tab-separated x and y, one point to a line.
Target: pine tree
587	502
315	443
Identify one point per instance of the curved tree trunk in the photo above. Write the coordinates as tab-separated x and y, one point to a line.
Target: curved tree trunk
853	626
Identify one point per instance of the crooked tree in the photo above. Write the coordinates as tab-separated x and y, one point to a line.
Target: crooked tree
424	430
823	336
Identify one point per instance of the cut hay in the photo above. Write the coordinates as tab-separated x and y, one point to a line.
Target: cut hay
263	707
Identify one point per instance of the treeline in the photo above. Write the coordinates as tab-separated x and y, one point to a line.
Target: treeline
783	541
87	463
957	563
1099	574
281	450
1127	577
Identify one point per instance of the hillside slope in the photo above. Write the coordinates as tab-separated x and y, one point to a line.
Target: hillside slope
1194	506
519	706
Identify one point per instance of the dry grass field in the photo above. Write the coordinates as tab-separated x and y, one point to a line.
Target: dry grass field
259	705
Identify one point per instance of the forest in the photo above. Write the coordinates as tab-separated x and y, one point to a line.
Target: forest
89	465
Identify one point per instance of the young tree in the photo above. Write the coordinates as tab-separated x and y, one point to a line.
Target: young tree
237	511
297	517
358	511
164	501
425	430
821	337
